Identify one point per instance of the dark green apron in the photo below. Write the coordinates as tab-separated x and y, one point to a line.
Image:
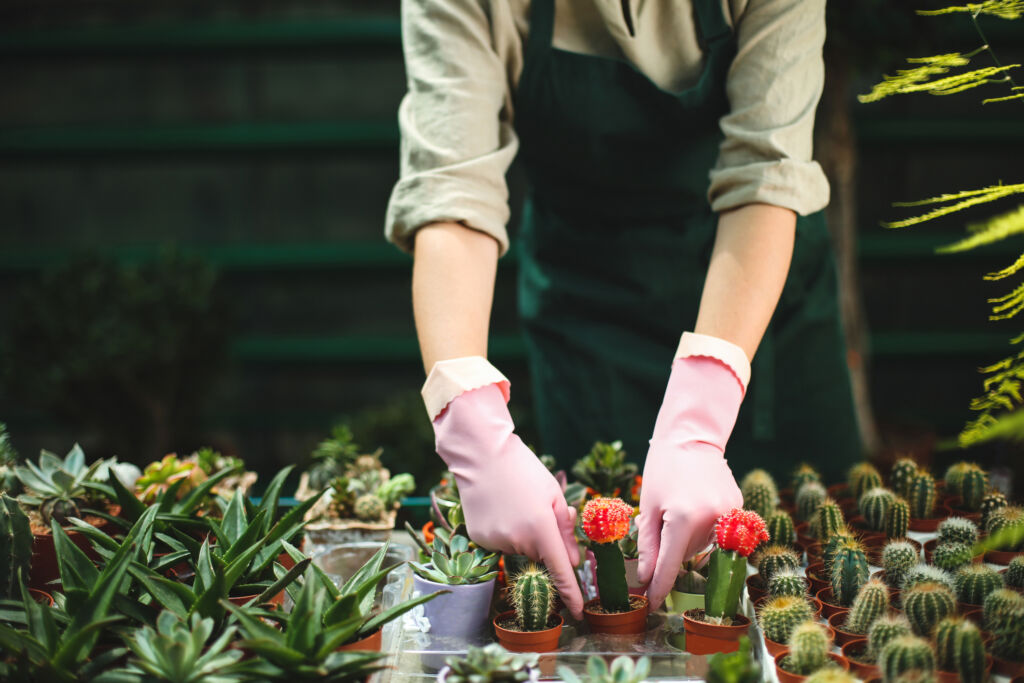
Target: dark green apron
615	244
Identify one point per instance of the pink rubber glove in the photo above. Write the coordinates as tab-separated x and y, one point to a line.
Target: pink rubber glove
511	501
687	484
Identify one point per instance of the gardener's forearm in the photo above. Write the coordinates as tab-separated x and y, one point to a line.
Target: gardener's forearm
452	291
749	264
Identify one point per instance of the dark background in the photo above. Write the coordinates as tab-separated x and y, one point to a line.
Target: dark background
258	141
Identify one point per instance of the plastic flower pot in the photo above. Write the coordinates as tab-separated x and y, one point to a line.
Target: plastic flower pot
837	621
854	651
527	641
817	577
787	677
1006	667
940	513
829	606
371	642
462	613
631	622
43	571
929	549
756	588
678	601
703	638
1003	557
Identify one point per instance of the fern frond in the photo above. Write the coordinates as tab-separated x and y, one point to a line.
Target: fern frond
1004	9
994	229
1008	271
1008	305
967	199
1018	96
919	78
1008	427
1002	398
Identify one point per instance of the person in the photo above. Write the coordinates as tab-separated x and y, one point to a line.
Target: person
671	191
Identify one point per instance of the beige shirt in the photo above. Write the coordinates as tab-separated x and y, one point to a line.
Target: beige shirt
463	61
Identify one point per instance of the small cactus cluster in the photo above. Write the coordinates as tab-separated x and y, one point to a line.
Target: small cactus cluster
802	474
990	502
902	474
533	598
998	604
897	521
871	602
780	527
874	506
849	572
829	520
809	646
761	498
898	557
1008	523
952	556
774	558
957	530
15	547
923	573
959	649
779	617
861	478
906	653
1015	573
921	496
787	582
809	498
926	604
886	628
974	582
368	507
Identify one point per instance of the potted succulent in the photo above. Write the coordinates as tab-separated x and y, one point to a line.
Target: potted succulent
925	604
779	617
1013	575
532	625
902	475
960	652
606	473
898	557
849	572
862	655
1004	618
489	664
688	590
623	669
605	522
15	547
974	583
781	530
717	627
734	667
770	559
808	651
925	511
906	654
760	493
966	486
872	601
1005	540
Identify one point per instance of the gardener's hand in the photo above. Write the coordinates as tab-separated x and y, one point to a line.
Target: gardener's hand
511	502
687	483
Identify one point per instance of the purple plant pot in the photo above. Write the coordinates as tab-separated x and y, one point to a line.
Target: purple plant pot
456	619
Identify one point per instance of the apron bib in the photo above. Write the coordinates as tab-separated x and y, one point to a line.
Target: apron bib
615	244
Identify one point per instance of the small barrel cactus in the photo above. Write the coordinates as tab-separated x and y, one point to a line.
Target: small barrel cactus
809	498
923	573
1008	524
952	556
974	582
15	547
758	477
787	582
368	507
922	496
874	506
774	558
1008	635
898	557
533	598
972	488
902	474
957	530
780	527
959	649
906	653
832	545
998	604
802	474
779	617
886	628
849	572
871	602
829	520
1015	573
897	522
954	475
926	604
761	498
808	649
990	502
861	478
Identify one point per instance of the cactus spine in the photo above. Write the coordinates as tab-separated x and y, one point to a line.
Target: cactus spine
922	496
897	522
1008	522
972	487
998	604
952	556
761	498
829	520
862	477
802	474
780	528
906	653
15	547
368	507
926	604
874	506
533	597
809	498
975	582
897	558
780	616
992	501
787	582
902	474
774	558
849	572
954	475
886	628
808	649
1015	573
832	545
924	573
957	530
1008	632
871	602
959	648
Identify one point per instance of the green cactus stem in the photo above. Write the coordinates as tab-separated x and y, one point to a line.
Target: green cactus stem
802	474
829	520
1015	573
952	556
954	475
902	474
611	577
897	521
898	557
922	496
957	530
368	507
959	648
926	604
861	478
727	570
849	572
886	628
809	498
779	617
1006	528
774	558
832	545
533	598
906	653
780	527
874	506
998	604
871	602
787	582
756	478
15	547
990	502
809	645
1008	635
972	488
923	573
761	498
975	582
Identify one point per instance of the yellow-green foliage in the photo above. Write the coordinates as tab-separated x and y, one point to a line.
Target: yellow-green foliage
1004	9
922	78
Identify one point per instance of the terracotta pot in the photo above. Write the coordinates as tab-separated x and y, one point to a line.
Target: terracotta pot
815	573
633	621
1005	667
814	553
971	612
828	606
953	503
703	638
954	676
848	505
239	600
803	536
371	642
773	647
837	491
527	641
861	525
787	677
929	549
1002	556
874	545
44	570
931	523
837	622
756	588
852	651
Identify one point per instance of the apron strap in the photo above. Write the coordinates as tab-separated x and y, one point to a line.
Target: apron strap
542	26
711	21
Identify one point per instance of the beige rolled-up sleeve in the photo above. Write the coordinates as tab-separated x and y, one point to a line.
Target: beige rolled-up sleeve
773	87
455	122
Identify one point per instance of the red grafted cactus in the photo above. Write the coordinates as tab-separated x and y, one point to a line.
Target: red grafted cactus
606	520
741	531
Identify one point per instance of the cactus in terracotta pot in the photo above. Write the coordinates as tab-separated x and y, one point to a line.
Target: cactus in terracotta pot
737	534
861	478
886	628
998	604
871	602
952	556
897	558
533	598
809	498
779	617
922	496
906	653
902	474
957	530
1015	573
780	528
959	649
990	502
829	520
808	649
974	582
605	523
774	558
897	521
926	604
874	506
849	572
787	582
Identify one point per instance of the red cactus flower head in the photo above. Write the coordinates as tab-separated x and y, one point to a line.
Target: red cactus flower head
606	520
740	530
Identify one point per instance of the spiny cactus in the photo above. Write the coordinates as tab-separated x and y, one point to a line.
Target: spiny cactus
972	488
897	521
959	649
1008	635
954	475
998	604
957	530
922	496
874	506
808	649
758	477
886	628
809	498
831	674
368	507
829	547
902	474
829	520
990	502
787	582
923	573
780	527
774	558
1015	573
871	602
974	582
779	617
897	558
15	547
849	572
926	604
1008	522
952	556
906	653
533	598
803	474
761	498
861	478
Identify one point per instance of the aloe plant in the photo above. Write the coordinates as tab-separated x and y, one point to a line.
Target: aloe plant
57	487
